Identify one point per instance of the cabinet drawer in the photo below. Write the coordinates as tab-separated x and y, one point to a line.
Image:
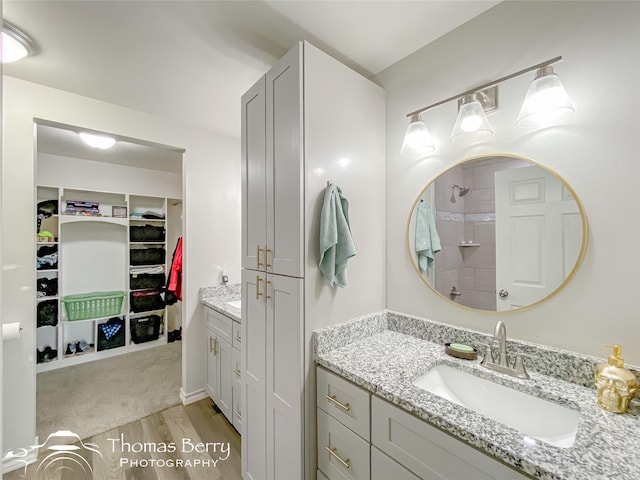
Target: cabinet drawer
236	341
344	401
350	457
385	468
428	452
219	324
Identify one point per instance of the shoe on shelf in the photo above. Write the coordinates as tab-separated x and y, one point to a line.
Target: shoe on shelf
71	349
82	346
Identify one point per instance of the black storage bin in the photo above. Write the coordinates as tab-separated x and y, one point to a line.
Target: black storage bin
111	334
146	233
147	256
47	311
142	281
47	257
145	300
47	208
47	287
145	329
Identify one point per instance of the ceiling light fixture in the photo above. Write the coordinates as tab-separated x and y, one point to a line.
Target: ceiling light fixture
15	43
417	140
546	101
95	140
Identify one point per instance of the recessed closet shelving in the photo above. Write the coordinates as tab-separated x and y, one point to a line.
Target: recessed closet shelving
93	252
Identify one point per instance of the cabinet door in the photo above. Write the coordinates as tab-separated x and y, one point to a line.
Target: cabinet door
226	382
285	378
213	379
254	337
236	374
384	468
285	177
254	213
429	452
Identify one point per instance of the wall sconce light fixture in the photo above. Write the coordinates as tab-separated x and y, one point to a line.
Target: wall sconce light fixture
417	141
15	43
546	102
472	122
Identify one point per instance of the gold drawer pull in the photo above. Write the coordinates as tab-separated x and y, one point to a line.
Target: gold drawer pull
237	339
238	414
267	251
344	406
258	250
266	290
258	280
332	451
238	373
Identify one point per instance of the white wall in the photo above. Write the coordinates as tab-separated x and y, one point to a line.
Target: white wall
596	151
211	208
68	172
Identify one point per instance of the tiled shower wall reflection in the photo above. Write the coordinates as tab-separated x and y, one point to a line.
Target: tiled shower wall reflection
470	219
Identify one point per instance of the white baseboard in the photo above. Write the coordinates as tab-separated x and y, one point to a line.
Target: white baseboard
192	397
19	459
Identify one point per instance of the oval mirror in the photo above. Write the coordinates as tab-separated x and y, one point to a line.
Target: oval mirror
496	233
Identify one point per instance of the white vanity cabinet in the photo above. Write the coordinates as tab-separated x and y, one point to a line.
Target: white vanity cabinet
223	365
398	445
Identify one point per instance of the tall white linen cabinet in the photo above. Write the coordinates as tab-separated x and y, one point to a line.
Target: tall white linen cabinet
309	121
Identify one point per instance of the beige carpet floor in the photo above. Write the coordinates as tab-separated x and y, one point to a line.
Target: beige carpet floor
97	396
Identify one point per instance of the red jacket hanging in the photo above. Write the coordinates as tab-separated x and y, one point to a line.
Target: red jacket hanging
175	274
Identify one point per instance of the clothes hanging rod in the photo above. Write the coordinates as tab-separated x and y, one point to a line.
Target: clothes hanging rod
489	84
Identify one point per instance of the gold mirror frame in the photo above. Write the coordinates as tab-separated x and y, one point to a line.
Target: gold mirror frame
567	279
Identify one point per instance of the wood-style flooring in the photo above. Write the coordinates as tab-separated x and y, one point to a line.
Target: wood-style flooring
193	442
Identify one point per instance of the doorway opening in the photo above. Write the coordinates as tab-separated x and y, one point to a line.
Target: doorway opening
108	343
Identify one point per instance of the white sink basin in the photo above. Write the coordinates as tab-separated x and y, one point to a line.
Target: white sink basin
234	303
531	416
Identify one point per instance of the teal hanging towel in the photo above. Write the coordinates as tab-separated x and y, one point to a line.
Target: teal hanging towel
336	243
427	238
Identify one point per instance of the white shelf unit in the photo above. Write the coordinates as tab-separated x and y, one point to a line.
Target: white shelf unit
94	256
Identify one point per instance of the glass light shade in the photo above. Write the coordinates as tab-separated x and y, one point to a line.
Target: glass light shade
417	141
546	100
102	142
15	44
472	122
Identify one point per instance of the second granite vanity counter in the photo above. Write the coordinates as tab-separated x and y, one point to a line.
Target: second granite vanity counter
386	362
224	299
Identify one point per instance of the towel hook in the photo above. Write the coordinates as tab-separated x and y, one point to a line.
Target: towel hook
329	183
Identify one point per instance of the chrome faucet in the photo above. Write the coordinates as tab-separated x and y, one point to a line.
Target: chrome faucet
502	364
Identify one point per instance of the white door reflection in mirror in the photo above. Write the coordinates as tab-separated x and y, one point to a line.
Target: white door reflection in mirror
537	231
512	233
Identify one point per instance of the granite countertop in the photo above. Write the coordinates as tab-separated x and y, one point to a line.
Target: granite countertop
217	298
376	354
